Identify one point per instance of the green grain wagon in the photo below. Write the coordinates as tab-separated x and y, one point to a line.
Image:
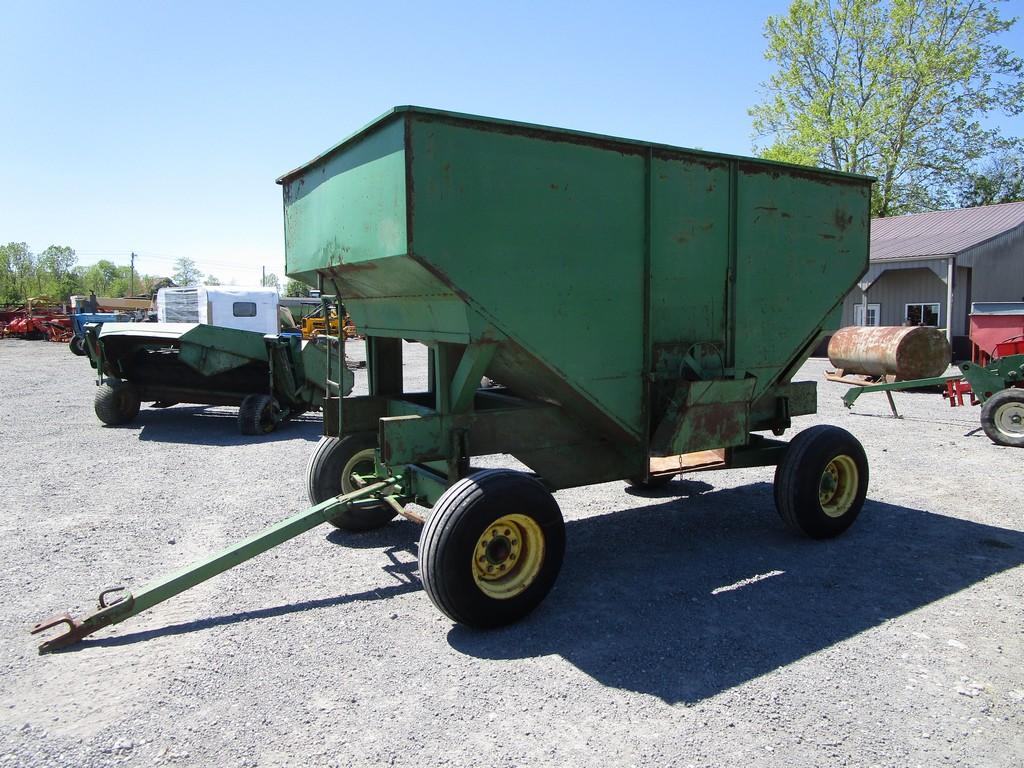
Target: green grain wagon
642	309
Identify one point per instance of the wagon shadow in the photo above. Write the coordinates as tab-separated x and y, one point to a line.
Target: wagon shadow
712	592
208	425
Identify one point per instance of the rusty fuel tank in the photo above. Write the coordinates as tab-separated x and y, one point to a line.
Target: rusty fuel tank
906	352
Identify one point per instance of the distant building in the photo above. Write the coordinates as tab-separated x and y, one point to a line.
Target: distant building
923	264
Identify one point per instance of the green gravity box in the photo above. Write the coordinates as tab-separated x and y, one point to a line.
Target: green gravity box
659	298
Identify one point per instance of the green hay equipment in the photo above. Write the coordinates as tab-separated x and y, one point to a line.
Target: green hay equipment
642	308
269	377
998	387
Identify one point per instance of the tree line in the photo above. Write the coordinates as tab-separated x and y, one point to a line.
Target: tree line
55	275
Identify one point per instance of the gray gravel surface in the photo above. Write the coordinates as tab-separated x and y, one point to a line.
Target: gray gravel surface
687	627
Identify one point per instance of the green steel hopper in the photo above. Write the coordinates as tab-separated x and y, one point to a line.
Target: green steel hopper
639	310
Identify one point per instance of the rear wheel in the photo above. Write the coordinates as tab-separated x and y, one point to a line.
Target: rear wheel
1002	418
492	548
821	482
257	415
77	345
343	465
116	402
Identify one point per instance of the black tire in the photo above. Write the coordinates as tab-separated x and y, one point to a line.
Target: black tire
821	482
459	542
116	402
257	415
329	473
77	345
1002	418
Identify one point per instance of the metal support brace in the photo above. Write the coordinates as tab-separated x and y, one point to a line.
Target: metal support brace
466	379
164	588
854	392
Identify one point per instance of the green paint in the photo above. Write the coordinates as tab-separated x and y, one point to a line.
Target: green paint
349	207
709	276
985	380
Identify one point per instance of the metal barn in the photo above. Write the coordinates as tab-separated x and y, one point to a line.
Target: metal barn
924	264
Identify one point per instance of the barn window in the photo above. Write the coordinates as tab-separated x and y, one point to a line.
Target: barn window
874	310
922	314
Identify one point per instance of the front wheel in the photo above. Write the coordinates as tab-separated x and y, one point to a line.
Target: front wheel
492	548
343	465
821	482
257	415
77	345
1002	418
116	402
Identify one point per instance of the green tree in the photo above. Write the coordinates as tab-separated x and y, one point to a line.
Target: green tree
891	88
1000	180
154	284
211	280
295	288
20	272
105	278
14	260
58	264
186	272
271	281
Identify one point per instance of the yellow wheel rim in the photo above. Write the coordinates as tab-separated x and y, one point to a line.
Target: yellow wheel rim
357	467
838	486
508	556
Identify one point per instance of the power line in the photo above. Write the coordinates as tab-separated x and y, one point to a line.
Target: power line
203	264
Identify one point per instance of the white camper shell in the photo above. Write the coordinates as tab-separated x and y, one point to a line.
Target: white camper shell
247	309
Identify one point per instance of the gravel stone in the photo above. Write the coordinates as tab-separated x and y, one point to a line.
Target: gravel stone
688	627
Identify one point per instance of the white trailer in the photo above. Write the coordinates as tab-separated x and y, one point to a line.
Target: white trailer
247	309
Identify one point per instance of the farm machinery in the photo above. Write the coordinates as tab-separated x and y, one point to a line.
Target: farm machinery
232	352
36	320
993	378
271	378
997	387
103	309
503	247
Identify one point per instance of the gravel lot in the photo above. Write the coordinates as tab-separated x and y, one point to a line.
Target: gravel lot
687	627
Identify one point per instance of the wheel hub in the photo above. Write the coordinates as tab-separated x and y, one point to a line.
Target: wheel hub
1010	419
508	556
838	486
359	467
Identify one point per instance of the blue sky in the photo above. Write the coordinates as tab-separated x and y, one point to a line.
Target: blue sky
159	128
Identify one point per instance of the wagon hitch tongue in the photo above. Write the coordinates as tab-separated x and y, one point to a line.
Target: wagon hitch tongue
109	612
126	605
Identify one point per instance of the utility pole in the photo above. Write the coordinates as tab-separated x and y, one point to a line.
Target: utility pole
131	290
263	282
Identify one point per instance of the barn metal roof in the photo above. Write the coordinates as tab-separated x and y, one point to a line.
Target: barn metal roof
941	233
